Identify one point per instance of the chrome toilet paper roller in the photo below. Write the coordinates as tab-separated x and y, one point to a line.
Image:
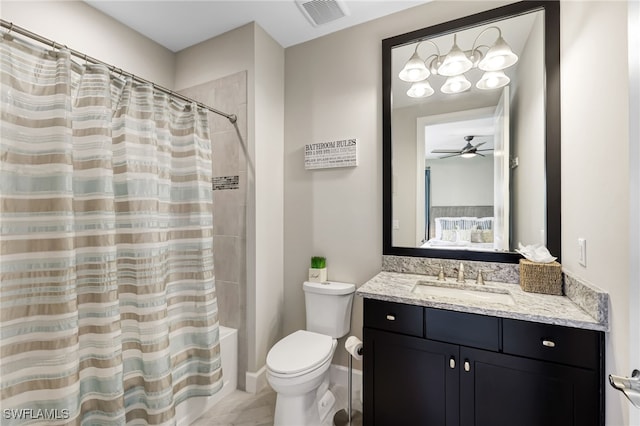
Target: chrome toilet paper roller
353	345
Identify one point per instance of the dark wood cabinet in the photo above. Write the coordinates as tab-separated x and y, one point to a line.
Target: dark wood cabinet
410	380
443	368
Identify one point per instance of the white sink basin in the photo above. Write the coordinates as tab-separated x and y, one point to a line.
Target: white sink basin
466	292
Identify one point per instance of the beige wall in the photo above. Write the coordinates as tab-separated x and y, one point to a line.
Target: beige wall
269	154
333	91
83	28
595	192
527	184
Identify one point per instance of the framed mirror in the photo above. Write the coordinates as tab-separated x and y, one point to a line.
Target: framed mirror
471	135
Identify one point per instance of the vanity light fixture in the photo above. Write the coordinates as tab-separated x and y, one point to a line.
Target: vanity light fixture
492	80
420	89
456	84
457	62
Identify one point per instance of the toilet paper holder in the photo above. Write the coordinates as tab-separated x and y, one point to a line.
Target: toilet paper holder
350	417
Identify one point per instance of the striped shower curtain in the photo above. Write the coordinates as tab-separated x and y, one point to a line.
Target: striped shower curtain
107	297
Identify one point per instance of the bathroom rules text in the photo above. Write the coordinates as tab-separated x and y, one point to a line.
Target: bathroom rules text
325	155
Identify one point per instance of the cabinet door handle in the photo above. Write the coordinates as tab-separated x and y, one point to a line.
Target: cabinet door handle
452	362
467	366
391	317
548	343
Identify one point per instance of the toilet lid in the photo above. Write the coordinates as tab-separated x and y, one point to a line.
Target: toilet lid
299	351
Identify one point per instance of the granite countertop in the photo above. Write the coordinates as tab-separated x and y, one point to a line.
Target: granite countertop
543	308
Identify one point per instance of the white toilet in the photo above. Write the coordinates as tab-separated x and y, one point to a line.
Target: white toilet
298	365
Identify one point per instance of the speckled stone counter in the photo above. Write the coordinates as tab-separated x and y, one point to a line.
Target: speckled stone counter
559	310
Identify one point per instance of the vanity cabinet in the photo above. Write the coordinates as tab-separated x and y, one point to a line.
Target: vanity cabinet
425	366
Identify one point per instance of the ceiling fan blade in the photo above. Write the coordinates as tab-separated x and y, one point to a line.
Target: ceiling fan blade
481	143
486	149
481	155
447	156
445	151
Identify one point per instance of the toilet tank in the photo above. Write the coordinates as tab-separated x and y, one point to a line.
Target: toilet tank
328	307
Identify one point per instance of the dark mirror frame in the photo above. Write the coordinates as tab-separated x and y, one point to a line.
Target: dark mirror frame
552	132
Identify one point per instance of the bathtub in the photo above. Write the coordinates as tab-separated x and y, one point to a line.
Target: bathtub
192	408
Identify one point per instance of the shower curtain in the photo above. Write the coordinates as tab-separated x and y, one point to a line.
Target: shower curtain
107	296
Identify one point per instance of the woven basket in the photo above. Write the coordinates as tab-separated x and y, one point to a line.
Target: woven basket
543	278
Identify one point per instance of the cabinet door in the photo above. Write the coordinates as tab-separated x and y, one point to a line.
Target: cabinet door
409	381
504	390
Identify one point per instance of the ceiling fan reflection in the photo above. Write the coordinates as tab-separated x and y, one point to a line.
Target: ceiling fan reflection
468	151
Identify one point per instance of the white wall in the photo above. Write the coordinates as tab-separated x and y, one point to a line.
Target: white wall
269	166
461	181
595	167
528	191
333	91
83	28
634	166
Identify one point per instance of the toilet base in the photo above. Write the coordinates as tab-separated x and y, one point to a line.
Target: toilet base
303	410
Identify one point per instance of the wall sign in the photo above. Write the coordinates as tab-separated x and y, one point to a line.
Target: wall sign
324	155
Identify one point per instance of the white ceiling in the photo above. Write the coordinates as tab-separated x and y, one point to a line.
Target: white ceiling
180	24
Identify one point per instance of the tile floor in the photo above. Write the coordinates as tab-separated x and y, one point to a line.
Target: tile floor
245	409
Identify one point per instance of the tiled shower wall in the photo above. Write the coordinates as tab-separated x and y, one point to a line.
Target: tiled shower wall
229	94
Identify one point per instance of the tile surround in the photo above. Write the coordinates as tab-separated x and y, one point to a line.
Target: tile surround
229	94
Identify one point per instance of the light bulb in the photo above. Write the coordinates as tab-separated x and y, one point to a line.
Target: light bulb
456	84
420	89
492	80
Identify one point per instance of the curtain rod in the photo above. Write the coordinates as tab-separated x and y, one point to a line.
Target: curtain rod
22	31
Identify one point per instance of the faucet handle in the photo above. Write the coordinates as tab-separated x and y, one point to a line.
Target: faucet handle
461	273
480	278
441	273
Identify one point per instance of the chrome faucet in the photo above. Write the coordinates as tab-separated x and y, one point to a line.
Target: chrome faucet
461	273
441	274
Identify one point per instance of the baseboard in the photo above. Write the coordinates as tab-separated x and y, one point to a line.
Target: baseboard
257	381
339	375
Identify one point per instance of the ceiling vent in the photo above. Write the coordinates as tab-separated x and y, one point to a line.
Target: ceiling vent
320	12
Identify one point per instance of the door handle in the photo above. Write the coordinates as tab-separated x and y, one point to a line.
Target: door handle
452	362
629	386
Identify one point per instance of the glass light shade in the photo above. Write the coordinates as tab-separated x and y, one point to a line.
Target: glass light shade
420	89
468	155
492	80
456	84
414	70
499	57
455	63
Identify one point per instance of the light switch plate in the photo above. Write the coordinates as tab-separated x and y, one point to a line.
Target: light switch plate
582	252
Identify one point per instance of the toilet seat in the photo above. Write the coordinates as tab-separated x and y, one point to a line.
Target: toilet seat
299	353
